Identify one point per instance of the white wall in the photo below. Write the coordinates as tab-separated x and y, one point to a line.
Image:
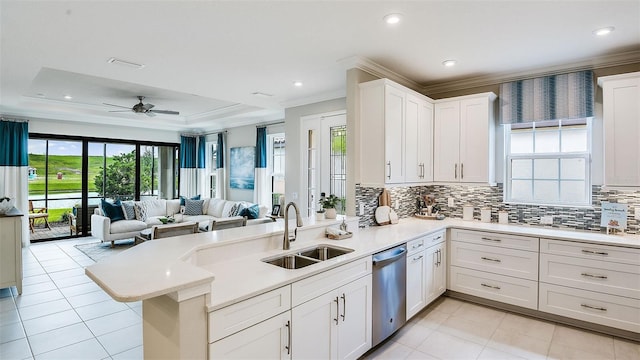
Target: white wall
294	188
72	128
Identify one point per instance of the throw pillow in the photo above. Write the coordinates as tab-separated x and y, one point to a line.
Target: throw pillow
141	210
193	207
252	212
128	210
182	199
112	210
236	209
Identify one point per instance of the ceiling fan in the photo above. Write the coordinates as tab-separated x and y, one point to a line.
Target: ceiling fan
141	108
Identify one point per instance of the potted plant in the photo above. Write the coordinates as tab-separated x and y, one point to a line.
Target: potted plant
319	214
329	204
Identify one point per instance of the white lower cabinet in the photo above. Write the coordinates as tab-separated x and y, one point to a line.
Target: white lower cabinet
590	282
269	339
335	325
426	271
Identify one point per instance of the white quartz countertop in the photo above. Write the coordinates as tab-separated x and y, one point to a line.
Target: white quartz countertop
159	267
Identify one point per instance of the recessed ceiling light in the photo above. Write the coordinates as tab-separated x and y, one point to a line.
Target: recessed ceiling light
125	63
449	63
68	97
392	19
604	31
297	83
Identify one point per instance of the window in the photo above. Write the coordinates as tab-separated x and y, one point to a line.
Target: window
276	146
338	165
549	162
212	167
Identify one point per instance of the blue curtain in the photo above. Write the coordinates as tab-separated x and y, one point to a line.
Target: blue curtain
261	147
565	96
14	140
220	159
187	152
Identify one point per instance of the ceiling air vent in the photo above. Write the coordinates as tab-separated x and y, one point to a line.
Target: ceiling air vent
125	63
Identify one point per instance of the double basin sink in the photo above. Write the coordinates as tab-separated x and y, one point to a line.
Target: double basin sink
307	256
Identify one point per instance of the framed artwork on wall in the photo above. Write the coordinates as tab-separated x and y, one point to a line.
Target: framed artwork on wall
242	167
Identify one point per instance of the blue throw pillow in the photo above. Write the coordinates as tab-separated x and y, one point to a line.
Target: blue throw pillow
193	207
252	212
182	199
112	210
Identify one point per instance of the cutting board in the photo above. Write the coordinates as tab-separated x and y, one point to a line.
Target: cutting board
384	214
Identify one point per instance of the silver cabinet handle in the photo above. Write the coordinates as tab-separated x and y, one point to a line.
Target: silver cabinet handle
490	286
490	239
417	258
422	176
389	165
437	238
594	276
455	171
288	347
593	307
461	171
415	246
591	252
337	310
344	306
490	259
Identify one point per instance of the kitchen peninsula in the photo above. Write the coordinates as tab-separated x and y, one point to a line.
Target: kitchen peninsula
200	290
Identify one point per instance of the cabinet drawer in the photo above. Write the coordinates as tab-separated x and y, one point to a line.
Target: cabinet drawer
501	288
590	251
433	239
233	318
314	286
609	310
415	245
589	274
518	242
517	263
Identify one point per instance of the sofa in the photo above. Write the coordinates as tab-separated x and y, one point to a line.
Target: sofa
139	215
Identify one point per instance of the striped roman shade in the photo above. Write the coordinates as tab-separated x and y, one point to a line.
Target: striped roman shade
564	96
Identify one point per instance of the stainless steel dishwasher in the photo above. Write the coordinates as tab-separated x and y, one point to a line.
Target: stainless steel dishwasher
389	292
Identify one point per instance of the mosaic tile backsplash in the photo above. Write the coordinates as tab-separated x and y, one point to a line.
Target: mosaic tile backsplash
569	218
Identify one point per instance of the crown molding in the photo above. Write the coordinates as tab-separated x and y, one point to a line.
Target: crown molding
378	70
605	61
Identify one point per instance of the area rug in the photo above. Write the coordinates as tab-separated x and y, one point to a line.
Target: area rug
97	251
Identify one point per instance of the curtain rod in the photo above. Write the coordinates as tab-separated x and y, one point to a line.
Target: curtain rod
2	118
270	124
208	133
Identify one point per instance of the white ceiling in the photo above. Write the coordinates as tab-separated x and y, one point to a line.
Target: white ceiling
206	58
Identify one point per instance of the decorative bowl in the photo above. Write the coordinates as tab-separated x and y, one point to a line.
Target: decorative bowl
5	204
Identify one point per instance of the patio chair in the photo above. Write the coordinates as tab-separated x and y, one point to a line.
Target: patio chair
37	213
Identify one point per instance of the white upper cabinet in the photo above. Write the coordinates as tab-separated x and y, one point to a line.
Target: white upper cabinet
464	139
621	124
396	134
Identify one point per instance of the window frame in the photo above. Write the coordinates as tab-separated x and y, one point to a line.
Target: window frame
587	156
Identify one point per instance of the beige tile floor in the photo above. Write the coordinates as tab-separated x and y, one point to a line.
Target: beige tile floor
454	329
62	314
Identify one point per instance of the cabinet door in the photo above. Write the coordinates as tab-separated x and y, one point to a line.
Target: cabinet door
474	140
416	276
425	139
436	276
354	328
446	141
621	111
313	323
394	134
413	158
269	339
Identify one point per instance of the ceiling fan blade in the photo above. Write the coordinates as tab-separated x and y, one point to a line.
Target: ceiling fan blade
148	106
120	110
150	113
124	107
168	112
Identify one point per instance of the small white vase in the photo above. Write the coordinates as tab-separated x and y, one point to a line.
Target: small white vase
319	216
330	213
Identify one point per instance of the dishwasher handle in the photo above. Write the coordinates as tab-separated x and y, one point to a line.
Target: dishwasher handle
386	258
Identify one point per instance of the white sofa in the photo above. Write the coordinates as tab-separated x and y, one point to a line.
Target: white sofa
212	210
